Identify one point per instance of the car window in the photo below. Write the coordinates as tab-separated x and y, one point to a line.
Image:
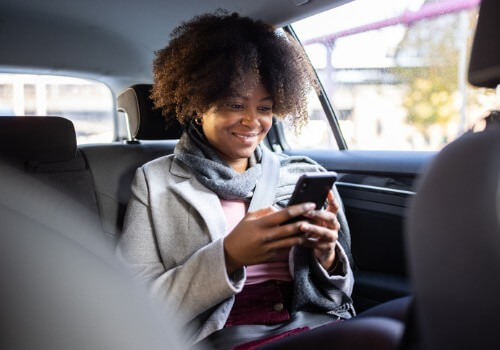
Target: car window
395	71
317	133
88	104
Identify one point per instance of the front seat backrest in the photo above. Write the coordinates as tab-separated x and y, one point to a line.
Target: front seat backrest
453	240
37	139
45	147
63	288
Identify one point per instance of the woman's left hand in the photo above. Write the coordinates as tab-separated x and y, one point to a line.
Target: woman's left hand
322	232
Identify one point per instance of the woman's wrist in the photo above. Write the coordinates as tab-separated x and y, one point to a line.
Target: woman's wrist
327	260
231	267
231	264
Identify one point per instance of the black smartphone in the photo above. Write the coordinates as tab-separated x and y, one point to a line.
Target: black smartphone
312	187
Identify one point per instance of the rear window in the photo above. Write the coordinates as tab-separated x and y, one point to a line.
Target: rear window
88	104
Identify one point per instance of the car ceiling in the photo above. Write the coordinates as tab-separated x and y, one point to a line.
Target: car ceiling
114	40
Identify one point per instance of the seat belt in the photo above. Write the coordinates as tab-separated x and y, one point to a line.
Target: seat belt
267	185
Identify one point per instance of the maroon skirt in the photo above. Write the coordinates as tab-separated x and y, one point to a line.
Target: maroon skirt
264	303
261	314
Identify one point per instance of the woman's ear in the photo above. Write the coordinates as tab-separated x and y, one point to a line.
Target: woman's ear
198	120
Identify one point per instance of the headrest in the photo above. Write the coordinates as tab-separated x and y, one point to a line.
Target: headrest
40	139
144	121
484	66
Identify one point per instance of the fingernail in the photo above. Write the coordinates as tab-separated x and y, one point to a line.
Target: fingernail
309	206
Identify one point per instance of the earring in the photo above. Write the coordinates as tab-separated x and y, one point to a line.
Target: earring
198	120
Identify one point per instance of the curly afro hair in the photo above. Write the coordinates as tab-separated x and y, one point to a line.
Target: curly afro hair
217	54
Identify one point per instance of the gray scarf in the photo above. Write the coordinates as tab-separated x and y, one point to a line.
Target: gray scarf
213	172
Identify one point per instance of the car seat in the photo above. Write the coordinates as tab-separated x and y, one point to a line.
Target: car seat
113	165
62	287
453	243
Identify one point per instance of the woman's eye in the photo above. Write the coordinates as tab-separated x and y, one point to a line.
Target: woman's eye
236	106
265	109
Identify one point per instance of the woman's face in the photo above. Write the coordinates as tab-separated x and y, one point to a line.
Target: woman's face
236	127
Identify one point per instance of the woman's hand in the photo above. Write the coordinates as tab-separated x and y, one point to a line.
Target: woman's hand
322	232
258	236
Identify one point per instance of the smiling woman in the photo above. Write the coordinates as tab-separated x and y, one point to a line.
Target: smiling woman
188	231
393	77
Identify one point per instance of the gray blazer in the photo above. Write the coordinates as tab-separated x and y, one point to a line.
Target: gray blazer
173	240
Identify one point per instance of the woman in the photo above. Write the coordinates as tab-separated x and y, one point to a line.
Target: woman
229	275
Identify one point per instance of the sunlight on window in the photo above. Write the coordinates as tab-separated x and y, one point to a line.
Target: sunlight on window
316	134
395	72
88	104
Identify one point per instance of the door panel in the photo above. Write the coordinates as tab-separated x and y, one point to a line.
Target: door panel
376	188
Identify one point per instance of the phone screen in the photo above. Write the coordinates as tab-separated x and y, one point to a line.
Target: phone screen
312	187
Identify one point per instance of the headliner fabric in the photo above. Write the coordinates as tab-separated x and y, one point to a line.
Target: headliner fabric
145	122
39	139
484	66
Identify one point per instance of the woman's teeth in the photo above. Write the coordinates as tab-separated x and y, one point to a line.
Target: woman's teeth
245	136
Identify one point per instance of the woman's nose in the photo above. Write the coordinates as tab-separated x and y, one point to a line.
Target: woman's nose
250	119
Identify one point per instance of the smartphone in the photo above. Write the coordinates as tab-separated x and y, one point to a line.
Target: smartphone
312	187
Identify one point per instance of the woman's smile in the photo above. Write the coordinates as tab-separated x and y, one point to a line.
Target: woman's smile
246	137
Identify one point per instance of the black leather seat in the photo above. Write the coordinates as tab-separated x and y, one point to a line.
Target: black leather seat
45	147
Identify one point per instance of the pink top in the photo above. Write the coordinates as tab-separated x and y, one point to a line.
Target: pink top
277	268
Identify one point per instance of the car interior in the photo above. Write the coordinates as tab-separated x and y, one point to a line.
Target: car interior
424	224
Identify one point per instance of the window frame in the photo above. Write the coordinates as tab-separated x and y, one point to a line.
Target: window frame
330	114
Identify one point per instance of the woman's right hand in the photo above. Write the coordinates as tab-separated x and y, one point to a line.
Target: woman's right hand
259	236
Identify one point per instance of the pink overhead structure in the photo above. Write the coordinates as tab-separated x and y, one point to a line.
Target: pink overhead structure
407	18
